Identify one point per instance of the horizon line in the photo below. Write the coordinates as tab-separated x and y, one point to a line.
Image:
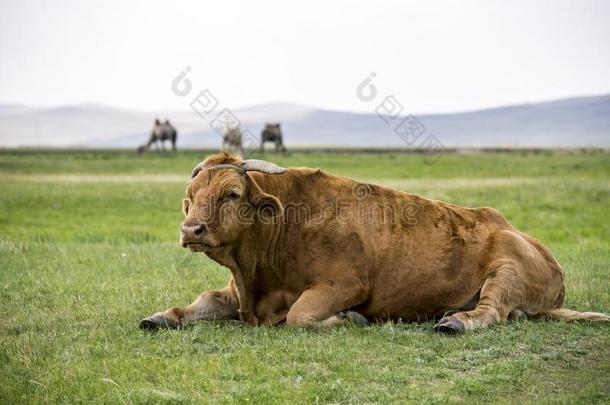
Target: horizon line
298	104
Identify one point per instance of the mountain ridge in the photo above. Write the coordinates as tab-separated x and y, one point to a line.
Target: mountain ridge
569	122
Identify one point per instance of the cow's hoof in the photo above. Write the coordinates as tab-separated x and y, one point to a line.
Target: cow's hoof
353	317
450	325
357	318
158	321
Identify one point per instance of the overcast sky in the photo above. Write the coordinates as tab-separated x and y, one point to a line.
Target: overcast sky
446	56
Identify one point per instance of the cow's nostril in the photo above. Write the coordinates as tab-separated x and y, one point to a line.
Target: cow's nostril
191	231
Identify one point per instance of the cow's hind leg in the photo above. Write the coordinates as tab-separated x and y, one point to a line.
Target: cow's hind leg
522	278
324	306
501	293
209	306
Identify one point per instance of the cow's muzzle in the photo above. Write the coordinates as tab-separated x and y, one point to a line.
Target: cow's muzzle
192	234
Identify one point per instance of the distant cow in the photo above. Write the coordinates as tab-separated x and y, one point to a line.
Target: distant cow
272	133
311	249
231	140
160	133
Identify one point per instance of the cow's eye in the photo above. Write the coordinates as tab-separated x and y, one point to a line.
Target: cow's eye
233	195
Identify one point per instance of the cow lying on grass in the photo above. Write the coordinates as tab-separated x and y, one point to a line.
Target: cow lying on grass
311	249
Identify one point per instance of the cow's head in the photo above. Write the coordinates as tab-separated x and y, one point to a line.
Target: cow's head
223	202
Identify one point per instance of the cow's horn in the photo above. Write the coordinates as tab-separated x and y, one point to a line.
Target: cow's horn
262	166
196	170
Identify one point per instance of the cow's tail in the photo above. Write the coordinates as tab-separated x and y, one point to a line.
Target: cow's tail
558	313
564	314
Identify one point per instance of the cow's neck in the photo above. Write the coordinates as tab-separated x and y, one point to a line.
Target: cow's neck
256	248
255	251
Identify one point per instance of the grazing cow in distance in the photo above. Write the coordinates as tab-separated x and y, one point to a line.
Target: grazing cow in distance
311	249
231	140
160	133
272	133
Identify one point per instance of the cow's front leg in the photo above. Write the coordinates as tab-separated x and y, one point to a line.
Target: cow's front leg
209	306
327	305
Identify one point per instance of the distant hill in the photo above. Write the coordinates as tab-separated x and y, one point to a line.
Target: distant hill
583	121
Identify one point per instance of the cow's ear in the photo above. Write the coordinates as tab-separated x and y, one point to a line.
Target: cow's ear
266	205
186	203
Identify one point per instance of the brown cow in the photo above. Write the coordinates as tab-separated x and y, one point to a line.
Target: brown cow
313	249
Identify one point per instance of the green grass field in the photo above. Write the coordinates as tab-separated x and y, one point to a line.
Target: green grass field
88	246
